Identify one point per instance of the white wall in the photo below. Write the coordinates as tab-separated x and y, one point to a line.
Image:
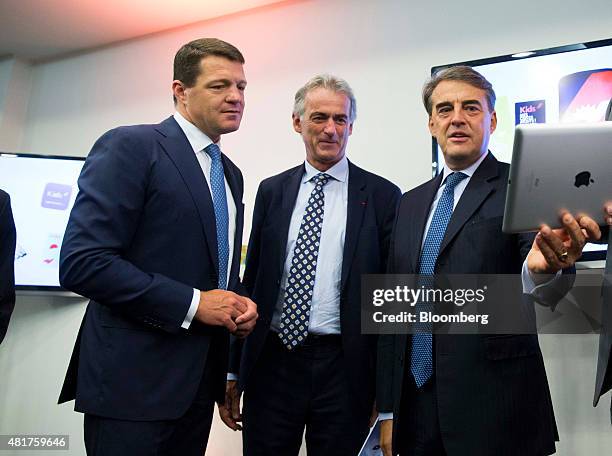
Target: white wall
385	50
15	84
6	66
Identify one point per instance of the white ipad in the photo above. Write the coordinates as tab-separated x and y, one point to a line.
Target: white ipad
555	168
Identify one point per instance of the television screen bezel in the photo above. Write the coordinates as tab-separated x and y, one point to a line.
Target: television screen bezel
42	289
586	256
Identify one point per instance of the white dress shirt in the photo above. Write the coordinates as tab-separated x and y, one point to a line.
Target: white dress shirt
199	141
325	303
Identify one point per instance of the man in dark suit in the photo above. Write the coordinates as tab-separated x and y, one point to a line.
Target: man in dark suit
154	241
7	262
477	395
603	379
316	229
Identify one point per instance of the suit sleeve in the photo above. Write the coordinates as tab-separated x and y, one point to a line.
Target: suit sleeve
7	265
112	195
250	272
254	249
388	223
550	293
385	352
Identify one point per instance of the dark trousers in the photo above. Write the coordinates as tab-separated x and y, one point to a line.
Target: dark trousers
186	436
306	388
420	434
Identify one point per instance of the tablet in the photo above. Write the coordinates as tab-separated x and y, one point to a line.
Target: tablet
555	168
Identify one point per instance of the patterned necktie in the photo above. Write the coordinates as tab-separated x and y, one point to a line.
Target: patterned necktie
421	364
217	186
300	281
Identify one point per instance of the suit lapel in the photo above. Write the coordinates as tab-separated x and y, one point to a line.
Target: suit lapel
477	190
176	145
291	188
232	180
356	207
236	190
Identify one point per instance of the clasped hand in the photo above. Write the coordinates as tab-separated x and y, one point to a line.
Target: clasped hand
226	308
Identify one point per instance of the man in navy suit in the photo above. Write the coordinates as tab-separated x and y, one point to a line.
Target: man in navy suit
603	379
316	229
7	262
477	395
154	241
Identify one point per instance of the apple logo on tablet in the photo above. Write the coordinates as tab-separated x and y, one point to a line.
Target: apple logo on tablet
583	178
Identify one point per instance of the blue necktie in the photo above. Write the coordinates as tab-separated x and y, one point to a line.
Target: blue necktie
421	364
217	185
300	281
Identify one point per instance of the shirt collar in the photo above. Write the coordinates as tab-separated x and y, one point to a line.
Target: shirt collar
197	139
339	171
469	171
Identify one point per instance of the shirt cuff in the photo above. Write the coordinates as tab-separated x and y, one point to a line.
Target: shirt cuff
385	416
193	307
532	283
232	377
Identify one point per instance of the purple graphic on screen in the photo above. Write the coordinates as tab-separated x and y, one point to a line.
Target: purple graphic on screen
56	196
530	112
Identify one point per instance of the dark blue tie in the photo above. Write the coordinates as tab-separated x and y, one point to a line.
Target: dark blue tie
421	364
300	281
217	186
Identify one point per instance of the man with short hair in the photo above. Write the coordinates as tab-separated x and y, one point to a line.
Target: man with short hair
477	395
7	262
154	241
316	229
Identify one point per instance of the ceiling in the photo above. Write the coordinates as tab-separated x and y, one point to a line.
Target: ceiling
44	29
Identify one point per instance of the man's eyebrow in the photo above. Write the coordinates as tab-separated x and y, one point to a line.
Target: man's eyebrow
227	81
220	80
444	104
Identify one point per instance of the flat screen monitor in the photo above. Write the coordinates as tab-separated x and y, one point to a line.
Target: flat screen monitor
570	84
42	190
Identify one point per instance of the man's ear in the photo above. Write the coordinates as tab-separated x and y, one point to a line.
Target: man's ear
297	123
178	90
493	121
